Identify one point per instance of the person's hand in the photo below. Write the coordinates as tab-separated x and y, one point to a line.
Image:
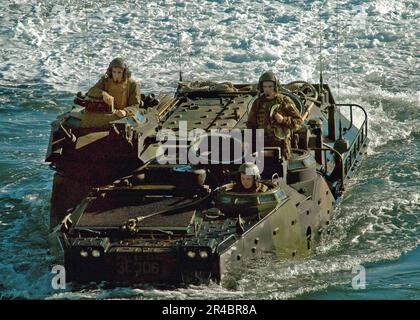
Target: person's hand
278	117
108	99
121	113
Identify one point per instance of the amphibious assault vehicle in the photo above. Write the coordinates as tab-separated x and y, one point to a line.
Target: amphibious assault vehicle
136	200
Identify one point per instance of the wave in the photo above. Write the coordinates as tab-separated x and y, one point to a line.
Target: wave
51	51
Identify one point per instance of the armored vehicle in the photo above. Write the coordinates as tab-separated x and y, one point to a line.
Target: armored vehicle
136	200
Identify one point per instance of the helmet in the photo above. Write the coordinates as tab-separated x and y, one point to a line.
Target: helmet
268	76
250	169
118	63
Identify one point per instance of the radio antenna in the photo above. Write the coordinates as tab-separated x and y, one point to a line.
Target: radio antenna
321	84
338	66
179	41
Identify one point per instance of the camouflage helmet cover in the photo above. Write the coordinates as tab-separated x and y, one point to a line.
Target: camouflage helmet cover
268	76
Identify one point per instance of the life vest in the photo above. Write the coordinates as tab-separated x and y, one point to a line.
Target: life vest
120	92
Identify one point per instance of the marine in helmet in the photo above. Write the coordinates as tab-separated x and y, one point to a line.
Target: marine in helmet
117	88
275	113
249	179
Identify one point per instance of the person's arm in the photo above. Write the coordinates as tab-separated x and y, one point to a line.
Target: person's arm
96	91
134	99
291	116
252	116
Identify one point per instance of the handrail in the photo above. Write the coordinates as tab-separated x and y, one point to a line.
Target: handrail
347	159
351	105
359	139
325	162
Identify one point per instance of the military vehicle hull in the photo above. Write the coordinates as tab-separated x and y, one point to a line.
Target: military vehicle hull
181	223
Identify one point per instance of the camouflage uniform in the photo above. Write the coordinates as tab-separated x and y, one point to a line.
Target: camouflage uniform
259	117
126	94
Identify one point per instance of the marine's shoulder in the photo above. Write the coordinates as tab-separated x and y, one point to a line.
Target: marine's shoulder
258	101
237	187
285	99
105	78
262	187
133	82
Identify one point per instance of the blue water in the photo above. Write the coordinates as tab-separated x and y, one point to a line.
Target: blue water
50	51
399	279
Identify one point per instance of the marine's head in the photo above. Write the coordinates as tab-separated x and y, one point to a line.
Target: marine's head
268	84
118	70
249	175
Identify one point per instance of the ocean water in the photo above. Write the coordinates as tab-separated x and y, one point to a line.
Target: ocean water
50	51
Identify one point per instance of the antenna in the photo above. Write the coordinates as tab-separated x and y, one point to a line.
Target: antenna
179	41
338	45
337	68
321	84
87	46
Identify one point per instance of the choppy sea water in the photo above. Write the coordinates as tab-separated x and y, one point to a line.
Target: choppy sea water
49	51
